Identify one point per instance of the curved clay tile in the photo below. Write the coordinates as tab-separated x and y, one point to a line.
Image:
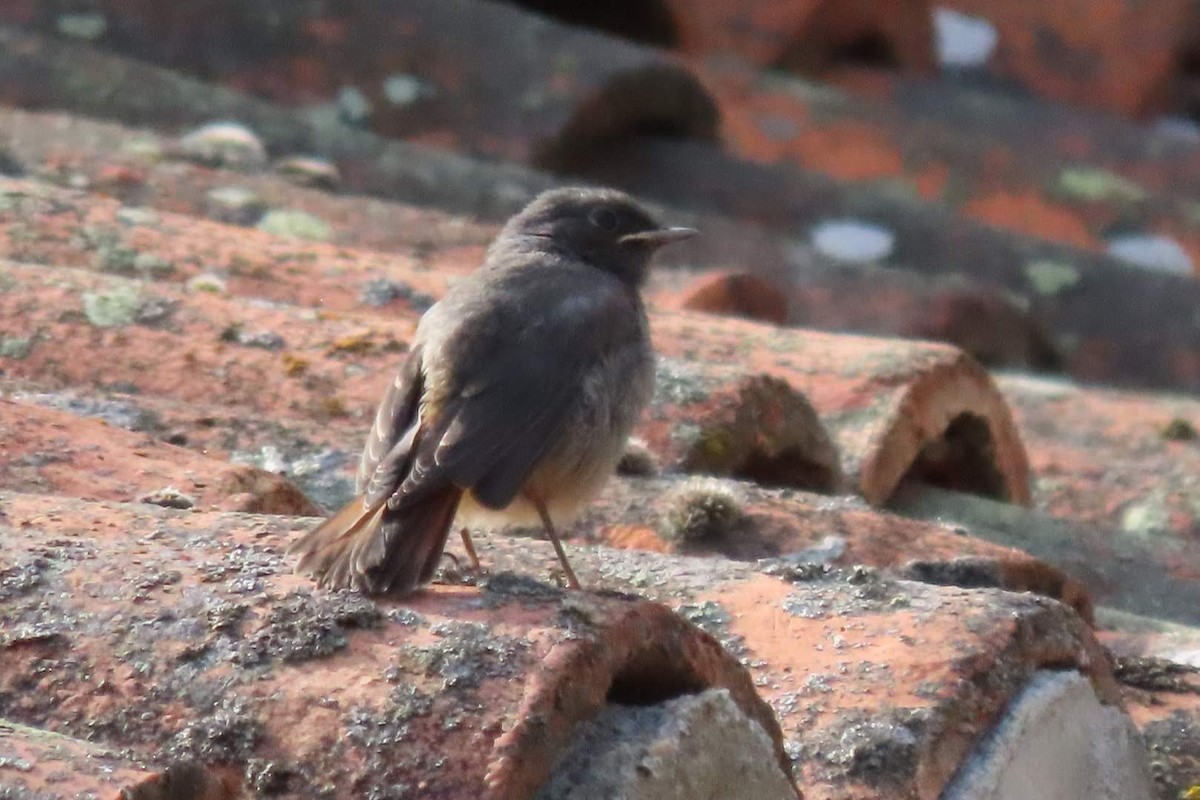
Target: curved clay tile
978	319
61	451
38	761
1146	442
738	294
716	420
746	522
880	687
895	408
1065	287
809	35
484	77
455	689
1113	56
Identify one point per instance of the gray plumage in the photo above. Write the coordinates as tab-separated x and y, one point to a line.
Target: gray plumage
518	393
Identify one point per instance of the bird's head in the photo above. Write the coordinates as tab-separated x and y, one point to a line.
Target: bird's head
603	227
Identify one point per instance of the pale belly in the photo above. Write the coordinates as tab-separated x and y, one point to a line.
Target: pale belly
577	467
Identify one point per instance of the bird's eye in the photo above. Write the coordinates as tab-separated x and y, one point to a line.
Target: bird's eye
604	219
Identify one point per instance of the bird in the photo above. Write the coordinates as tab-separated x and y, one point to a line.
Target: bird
513	404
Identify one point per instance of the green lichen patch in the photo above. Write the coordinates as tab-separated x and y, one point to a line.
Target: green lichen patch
293	224
303	626
22	577
879	750
1098	185
712	618
845	592
114	308
466	654
1051	277
1179	430
1157	674
16	347
227	734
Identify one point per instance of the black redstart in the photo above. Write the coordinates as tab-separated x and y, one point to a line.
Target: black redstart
520	388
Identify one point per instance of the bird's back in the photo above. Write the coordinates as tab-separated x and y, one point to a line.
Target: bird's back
543	334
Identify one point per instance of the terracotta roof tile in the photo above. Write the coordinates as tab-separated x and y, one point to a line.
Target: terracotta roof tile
1114	56
403	691
59	453
1108	457
886	402
950	658
41	764
684	173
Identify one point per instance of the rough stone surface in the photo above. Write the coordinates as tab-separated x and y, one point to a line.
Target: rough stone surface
226	658
39	764
229	632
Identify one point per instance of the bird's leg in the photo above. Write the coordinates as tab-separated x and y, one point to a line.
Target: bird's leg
572	581
469	546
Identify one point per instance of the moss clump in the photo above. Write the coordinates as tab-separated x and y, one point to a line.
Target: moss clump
1179	430
169	497
700	509
638	459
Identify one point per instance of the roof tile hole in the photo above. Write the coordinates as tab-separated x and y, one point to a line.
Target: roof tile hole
649	679
962	459
643	21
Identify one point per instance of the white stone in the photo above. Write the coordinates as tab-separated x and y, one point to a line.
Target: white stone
309	171
1183	129
353	104
224	144
402	90
1188	657
963	41
86	26
853	240
1151	251
828	551
1057	741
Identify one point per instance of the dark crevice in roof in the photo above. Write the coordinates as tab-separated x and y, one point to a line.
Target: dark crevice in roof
811	57
1186	89
660	101
644	21
790	468
647	684
962	459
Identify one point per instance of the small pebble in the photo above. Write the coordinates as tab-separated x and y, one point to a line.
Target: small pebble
224	144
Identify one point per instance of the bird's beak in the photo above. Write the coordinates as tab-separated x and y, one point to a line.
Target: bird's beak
659	236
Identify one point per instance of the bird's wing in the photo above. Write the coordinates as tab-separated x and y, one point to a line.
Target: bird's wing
396	420
516	392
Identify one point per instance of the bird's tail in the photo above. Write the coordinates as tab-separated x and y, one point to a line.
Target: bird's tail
377	549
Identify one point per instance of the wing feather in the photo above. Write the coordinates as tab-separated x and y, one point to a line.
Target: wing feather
516	399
